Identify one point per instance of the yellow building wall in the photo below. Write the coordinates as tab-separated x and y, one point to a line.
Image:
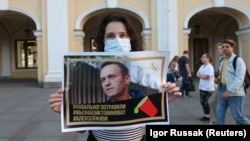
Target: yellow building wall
143	5
33	6
38	9
24	74
43	50
151	44
148	7
73	45
184	8
76	7
242	3
246	52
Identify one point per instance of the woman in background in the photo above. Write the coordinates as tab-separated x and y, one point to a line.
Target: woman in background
172	72
206	84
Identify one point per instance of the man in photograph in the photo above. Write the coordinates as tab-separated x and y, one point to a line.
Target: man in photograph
115	80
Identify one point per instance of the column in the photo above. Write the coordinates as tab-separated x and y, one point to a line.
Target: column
40	53
162	24
244	45
79	36
5	59
4	4
146	34
167	26
57	37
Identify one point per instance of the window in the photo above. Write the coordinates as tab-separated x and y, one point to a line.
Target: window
26	54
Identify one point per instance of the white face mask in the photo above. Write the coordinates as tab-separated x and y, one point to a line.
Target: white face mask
117	44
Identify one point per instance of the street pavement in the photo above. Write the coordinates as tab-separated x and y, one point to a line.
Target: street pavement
25	114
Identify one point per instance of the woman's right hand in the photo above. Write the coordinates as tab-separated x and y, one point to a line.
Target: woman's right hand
55	101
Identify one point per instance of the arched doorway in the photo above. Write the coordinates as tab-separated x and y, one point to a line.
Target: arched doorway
209	27
18	48
93	20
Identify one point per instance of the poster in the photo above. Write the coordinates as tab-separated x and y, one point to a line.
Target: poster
86	105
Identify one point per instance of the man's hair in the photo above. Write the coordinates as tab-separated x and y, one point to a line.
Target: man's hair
135	39
185	52
231	42
124	69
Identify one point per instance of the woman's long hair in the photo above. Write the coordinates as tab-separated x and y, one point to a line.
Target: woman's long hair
135	39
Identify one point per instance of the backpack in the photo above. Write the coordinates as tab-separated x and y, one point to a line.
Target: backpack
246	83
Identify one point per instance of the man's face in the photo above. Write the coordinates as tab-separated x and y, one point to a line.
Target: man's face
220	50
113	83
227	49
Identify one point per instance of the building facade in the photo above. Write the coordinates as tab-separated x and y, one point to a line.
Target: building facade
35	34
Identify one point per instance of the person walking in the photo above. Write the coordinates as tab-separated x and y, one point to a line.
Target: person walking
231	91
213	103
172	72
206	84
184	71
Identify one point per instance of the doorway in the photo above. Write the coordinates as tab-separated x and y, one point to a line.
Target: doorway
200	46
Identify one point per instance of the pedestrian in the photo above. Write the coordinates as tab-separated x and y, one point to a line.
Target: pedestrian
231	91
213	103
206	84
172	71
116	34
184	71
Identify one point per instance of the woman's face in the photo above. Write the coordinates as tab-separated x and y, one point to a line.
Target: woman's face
115	30
204	58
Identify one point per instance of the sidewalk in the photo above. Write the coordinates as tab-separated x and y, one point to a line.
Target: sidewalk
25	114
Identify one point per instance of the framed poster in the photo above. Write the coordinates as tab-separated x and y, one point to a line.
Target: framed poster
88	101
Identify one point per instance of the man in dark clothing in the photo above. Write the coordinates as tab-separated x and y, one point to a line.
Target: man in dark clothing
184	71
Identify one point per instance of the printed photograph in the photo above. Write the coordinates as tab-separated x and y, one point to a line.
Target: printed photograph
114	91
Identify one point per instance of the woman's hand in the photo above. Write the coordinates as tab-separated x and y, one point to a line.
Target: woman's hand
173	91
55	101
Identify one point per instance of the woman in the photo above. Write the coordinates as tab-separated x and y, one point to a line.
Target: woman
206	84
116	34
172	72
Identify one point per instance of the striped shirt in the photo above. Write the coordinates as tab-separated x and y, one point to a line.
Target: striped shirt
129	134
